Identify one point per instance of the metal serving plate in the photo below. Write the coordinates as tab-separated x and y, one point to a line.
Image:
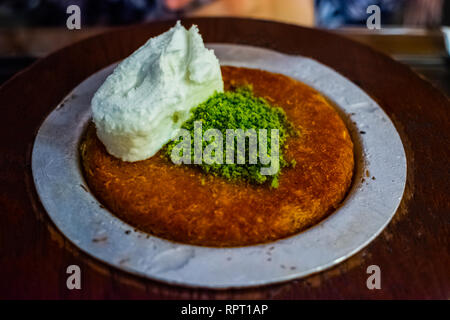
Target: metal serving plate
367	209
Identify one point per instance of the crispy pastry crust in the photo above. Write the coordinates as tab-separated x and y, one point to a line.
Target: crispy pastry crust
181	203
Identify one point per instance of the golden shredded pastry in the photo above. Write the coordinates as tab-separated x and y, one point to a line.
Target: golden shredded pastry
181	203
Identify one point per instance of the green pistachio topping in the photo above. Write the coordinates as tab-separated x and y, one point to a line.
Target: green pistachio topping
239	109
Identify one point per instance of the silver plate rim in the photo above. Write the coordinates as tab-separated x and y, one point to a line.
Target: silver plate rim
366	211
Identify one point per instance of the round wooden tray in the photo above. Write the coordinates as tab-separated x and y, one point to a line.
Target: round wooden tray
412	253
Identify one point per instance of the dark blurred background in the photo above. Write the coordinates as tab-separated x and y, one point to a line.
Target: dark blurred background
324	13
413	31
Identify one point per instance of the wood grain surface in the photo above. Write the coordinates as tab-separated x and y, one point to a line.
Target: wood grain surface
413	252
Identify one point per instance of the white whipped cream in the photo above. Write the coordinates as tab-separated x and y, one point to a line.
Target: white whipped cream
143	103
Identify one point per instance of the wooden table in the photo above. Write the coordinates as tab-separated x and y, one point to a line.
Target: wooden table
413	251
